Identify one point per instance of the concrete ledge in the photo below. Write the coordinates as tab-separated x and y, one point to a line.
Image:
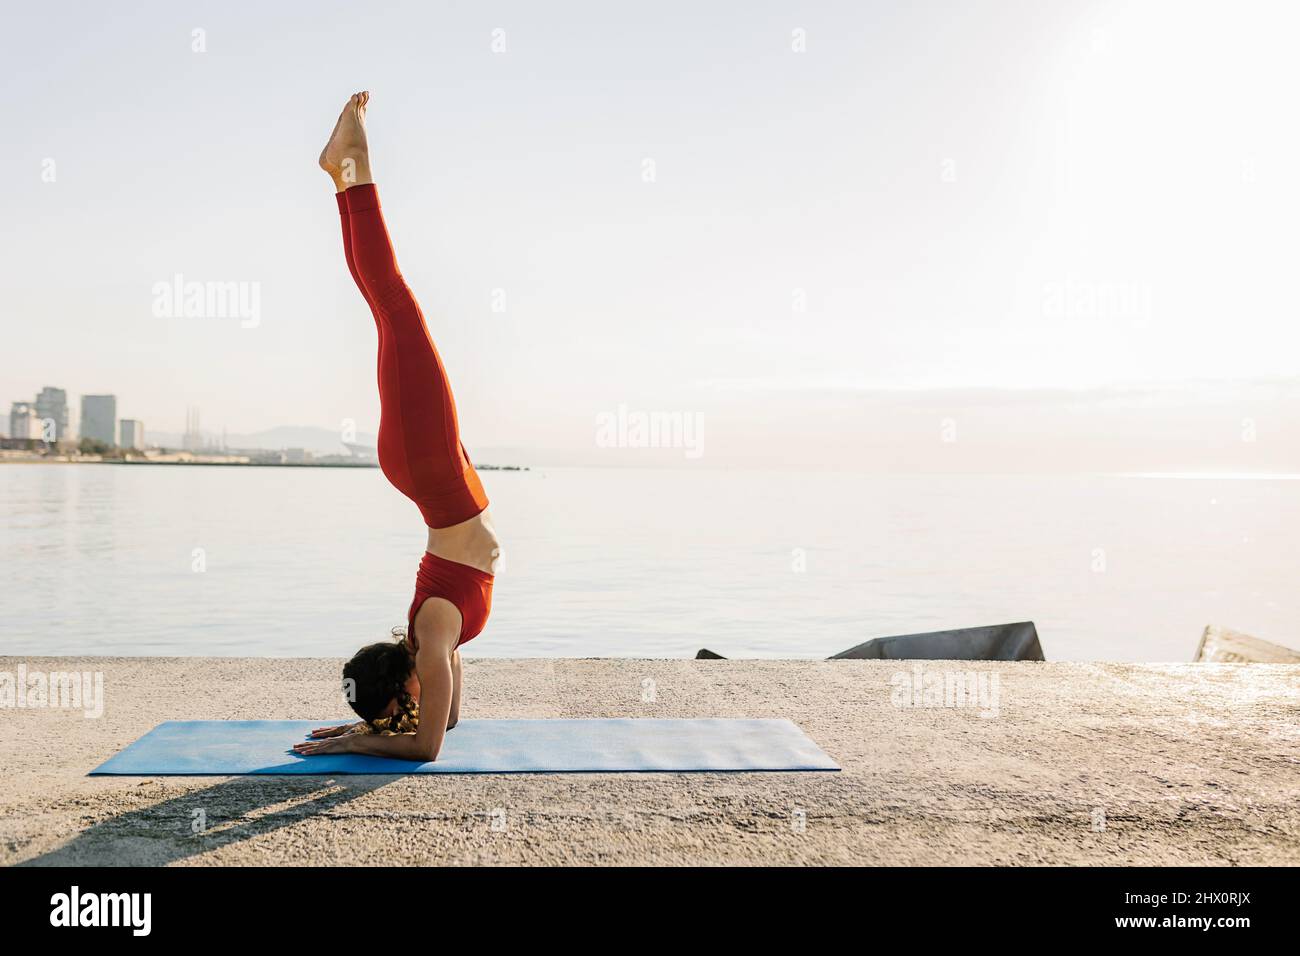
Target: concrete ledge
1195	764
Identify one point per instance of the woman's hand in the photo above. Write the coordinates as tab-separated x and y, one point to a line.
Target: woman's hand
330	745
338	731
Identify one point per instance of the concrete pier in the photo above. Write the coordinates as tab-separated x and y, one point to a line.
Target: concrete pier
1073	764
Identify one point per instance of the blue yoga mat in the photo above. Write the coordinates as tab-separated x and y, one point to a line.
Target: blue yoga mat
232	747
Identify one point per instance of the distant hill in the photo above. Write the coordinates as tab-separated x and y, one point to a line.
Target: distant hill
318	441
1184	427
325	441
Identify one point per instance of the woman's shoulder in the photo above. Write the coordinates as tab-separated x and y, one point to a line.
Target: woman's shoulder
437	627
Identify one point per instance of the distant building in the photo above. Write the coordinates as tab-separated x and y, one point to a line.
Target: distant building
99	418
130	433
23	421
192	440
361	452
297	456
52	406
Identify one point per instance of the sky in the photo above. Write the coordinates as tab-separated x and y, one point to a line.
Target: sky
716	209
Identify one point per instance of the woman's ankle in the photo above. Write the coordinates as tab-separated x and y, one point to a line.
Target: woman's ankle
351	174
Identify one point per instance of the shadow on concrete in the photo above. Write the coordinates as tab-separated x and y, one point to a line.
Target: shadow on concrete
207	819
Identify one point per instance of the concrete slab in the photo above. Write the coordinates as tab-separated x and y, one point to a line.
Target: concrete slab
1082	764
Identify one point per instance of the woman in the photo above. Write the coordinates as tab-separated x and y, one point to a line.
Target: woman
421	454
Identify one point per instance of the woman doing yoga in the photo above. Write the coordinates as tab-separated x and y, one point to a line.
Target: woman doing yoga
420	452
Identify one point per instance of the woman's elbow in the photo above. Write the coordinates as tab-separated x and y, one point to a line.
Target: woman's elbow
425	753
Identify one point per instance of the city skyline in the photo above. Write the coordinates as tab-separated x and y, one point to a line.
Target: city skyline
48	419
1212	428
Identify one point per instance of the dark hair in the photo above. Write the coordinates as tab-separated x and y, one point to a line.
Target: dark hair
375	677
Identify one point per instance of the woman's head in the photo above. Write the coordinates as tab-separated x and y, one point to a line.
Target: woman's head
380	682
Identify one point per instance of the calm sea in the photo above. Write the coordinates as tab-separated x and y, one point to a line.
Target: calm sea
148	560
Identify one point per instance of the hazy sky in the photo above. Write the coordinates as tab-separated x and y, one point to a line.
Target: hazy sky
1016	194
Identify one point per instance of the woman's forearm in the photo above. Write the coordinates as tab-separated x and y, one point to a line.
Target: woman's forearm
401	746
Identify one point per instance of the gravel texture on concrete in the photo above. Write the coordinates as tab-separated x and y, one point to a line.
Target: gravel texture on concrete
1082	764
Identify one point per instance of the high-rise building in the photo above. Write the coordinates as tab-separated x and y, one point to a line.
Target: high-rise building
23	422
52	406
131	433
99	418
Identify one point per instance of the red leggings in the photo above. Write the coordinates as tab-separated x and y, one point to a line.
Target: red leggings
420	450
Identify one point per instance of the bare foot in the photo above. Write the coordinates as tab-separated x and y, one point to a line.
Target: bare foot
346	157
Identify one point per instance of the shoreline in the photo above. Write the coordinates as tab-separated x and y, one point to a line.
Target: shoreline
1082	764
216	462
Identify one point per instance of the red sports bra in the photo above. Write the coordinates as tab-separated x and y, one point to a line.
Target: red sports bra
469	589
